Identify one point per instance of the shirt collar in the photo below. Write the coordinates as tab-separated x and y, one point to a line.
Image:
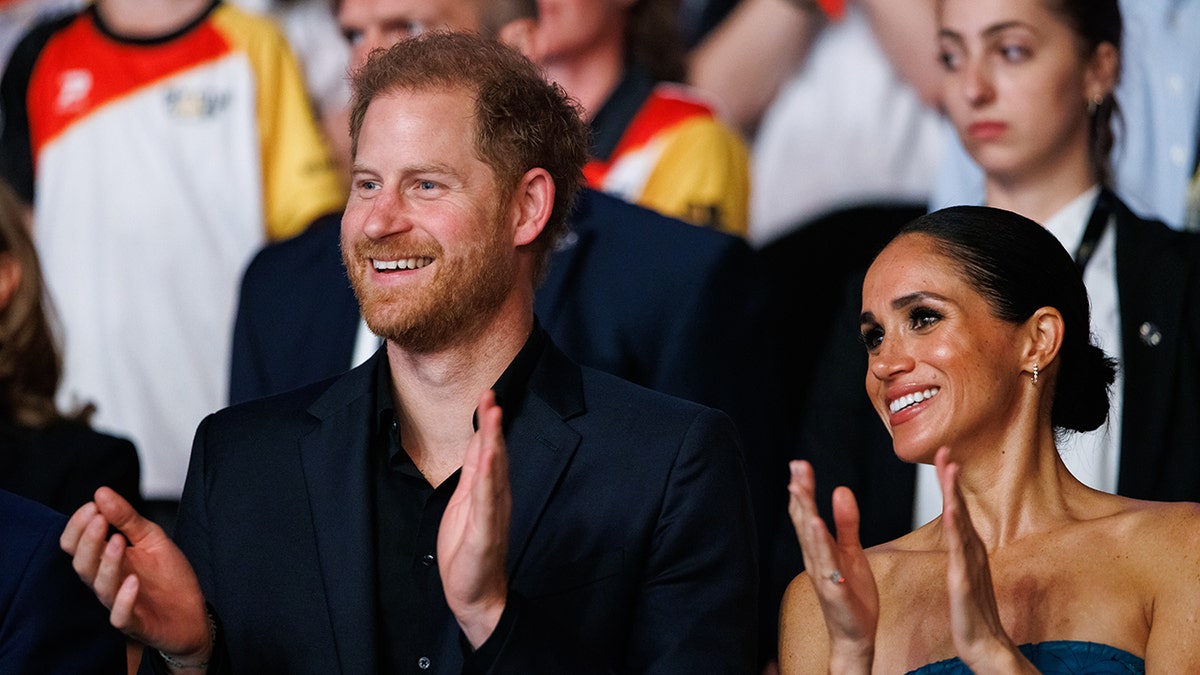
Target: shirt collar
510	388
1069	223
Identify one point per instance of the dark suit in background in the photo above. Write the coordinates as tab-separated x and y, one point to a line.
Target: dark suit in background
50	623
62	465
630	549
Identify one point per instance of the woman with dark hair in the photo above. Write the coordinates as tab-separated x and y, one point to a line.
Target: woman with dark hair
976	325
45	455
1029	87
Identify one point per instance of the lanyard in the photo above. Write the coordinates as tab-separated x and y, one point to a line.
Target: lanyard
1095	229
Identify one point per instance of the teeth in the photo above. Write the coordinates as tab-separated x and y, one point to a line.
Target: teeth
909	399
403	264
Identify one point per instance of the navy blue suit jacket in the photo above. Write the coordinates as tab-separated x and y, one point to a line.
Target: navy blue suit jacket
630	547
50	622
676	308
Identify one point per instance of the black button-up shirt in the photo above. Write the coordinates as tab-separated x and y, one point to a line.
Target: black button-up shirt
417	632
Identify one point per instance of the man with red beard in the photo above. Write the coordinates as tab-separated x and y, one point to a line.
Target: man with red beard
394	519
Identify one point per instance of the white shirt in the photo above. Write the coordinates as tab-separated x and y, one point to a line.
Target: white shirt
844	130
366	344
1092	457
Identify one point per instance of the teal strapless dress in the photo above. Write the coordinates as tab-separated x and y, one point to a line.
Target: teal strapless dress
1060	657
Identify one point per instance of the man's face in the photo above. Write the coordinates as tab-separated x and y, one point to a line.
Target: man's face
425	235
378	24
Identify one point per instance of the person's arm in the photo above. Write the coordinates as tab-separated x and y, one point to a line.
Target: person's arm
1172	646
300	180
750	54
702	176
907	33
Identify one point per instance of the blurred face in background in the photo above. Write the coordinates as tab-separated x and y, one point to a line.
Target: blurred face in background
1018	85
377	24
569	29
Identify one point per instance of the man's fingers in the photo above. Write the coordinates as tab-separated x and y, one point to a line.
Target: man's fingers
89	548
108	574
122	516
121	615
69	539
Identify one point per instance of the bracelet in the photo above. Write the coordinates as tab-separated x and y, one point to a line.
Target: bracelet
175	663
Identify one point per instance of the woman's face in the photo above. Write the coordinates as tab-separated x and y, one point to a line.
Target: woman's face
942	369
570	29
1017	86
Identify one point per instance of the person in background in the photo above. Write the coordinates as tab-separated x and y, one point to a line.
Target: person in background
46	455
840	102
678	309
976	326
655	142
1032	93
1031	87
160	144
468	499
1157	142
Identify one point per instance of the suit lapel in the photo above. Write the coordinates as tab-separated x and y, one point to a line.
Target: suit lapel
541	445
335	465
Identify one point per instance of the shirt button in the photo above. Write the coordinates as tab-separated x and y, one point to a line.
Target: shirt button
427	560
423	663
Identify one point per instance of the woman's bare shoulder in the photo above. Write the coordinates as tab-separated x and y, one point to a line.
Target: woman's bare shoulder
1160	524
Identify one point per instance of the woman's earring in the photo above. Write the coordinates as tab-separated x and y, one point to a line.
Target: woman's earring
1035	373
1095	103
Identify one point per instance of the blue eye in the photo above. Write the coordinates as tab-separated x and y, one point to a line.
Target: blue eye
426	185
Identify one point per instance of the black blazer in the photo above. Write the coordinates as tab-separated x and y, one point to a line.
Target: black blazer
1158	288
62	465
631	546
50	622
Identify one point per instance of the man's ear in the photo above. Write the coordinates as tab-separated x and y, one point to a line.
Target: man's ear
531	206
1044	332
10	278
